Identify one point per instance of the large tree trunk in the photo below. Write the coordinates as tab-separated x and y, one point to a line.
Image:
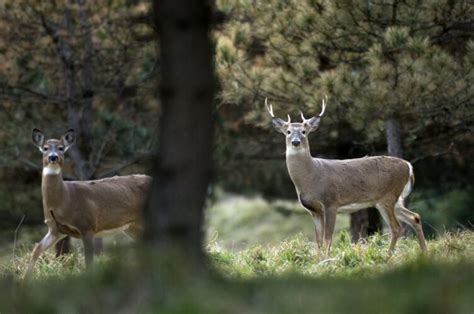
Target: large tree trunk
174	215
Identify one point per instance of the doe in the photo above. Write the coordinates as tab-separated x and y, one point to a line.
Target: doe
326	187
84	209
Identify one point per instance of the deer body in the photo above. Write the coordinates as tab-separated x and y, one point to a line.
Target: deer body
326	187
84	209
97	205
343	183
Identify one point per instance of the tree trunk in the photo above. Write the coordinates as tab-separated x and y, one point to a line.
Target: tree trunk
66	56
87	79
174	215
394	138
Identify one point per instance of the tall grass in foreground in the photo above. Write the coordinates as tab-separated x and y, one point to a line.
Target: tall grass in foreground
285	278
294	255
366	258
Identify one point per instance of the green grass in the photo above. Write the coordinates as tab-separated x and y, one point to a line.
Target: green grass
264	261
364	259
238	222
285	278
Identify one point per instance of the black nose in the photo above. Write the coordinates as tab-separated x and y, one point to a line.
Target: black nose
53	158
295	142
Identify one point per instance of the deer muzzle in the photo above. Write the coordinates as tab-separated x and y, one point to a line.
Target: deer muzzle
53	158
295	142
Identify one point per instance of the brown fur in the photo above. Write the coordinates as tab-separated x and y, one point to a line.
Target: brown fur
326	187
84	209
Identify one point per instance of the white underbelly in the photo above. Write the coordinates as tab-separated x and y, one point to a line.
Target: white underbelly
112	231
350	208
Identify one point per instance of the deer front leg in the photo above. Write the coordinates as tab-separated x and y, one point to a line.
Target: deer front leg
329	224
88	242
318	229
51	238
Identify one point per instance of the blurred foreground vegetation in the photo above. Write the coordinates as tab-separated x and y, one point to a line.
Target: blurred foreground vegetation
356	278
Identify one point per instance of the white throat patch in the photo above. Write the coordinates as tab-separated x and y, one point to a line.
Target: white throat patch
51	170
294	151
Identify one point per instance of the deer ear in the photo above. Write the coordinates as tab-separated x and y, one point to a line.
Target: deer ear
279	125
68	139
38	139
312	124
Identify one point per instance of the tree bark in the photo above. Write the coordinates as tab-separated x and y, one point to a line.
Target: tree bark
87	78
174	215
393	134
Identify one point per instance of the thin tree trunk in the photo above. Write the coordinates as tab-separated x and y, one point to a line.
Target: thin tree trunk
87	78
66	56
174	215
394	138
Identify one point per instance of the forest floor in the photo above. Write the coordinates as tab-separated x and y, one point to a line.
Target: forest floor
288	277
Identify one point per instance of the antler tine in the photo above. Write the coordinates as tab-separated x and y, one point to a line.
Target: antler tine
269	108
302	116
324	102
289	119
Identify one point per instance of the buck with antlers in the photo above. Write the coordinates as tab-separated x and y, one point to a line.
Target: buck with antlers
84	209
326	187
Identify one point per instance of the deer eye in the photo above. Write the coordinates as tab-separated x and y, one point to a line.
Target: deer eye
304	132
288	132
45	148
61	148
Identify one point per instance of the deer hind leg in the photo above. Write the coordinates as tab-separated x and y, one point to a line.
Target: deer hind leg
50	239
387	210
413	220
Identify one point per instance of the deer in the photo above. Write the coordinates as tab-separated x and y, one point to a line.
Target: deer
326	187
85	209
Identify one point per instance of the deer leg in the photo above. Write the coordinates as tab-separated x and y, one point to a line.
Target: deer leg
88	241
51	238
318	229
388	214
414	221
329	224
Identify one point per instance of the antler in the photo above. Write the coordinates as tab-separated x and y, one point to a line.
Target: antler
302	116
269	108
324	102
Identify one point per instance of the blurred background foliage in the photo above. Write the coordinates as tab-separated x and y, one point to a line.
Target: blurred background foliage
92	65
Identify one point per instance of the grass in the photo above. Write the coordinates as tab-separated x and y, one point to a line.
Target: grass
285	278
238	222
264	261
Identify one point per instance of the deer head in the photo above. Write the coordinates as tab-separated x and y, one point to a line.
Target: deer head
296	133
53	150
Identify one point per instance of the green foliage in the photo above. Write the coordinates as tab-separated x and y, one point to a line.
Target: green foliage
445	211
373	60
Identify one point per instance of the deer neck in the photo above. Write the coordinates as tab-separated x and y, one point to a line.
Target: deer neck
52	187
299	163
